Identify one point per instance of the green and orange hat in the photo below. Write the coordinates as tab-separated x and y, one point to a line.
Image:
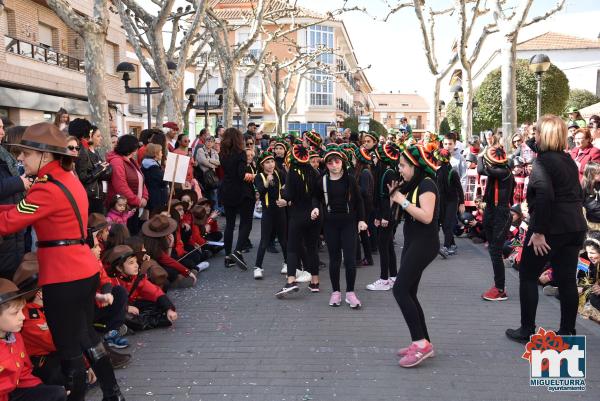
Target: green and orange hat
335	150
422	156
363	156
348	149
264	156
280	141
388	153
496	156
313	153
442	155
298	155
372	134
314	138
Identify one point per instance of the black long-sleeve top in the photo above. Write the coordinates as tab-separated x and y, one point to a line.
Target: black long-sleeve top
300	189
269	193
366	184
554	195
343	197
233	188
449	186
384	176
500	183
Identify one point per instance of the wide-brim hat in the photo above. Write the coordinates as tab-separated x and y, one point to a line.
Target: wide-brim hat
159	226
363	155
191	193
44	137
177	202
202	201
572	109
198	213
97	221
119	254
9	291
26	275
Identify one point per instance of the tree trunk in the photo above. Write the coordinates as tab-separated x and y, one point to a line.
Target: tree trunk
466	131
434	122
172	108
508	57
228	100
244	114
160	111
93	47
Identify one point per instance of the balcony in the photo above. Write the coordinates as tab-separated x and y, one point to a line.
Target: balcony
42	53
343	106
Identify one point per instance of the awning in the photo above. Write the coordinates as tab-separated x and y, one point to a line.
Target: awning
23	99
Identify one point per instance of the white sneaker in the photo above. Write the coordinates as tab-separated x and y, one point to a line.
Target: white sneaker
258	273
302	276
379	285
202	266
284	269
392	280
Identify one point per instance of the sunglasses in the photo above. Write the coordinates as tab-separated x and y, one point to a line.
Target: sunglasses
72	148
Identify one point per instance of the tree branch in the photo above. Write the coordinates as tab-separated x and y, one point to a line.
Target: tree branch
556	9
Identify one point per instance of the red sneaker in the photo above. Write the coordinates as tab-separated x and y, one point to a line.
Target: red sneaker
494	294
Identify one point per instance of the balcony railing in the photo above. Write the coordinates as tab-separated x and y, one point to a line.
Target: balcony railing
42	53
342	105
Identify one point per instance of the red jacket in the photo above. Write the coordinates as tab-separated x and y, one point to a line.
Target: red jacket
140	154
196	238
145	290
35	332
589	154
125	180
166	261
15	367
214	225
47	208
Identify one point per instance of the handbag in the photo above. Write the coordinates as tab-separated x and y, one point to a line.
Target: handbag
150	317
211	181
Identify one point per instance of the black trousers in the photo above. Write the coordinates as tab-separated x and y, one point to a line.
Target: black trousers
273	222
340	235
449	220
563	258
387	253
416	256
134	224
48	369
303	231
41	392
113	316
245	211
496	223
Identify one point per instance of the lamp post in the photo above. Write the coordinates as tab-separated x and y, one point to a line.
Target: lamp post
124	69
539	64
191	93
457	90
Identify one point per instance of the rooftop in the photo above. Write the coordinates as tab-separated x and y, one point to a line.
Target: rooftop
241	9
558	41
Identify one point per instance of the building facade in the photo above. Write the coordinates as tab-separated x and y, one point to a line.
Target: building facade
390	108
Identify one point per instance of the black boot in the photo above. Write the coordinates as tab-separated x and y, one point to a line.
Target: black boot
100	362
117	359
75	373
520	335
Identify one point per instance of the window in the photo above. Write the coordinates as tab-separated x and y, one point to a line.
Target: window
321	128
405	104
321	89
383	104
45	35
321	36
109	58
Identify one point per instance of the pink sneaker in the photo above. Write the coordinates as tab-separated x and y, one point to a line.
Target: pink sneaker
416	355
403	351
352	300
335	299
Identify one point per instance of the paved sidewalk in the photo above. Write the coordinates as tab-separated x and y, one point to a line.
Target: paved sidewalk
236	341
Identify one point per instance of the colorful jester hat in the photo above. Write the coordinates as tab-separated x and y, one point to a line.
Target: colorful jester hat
313	153
372	135
348	149
313	138
388	153
264	156
363	156
280	141
422	156
495	156
298	155
335	150
442	155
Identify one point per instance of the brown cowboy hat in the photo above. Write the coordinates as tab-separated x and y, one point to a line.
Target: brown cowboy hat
27	272
198	213
159	226
202	201
119	254
97	221
177	202
44	137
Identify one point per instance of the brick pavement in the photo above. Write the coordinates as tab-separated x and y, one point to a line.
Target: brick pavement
236	341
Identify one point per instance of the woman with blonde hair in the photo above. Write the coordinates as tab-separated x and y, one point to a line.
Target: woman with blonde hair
556	228
62	119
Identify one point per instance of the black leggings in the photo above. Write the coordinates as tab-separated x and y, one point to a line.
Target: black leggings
448	222
496	223
113	316
563	257
273	221
40	392
340	235
387	253
69	311
245	210
416	256
303	230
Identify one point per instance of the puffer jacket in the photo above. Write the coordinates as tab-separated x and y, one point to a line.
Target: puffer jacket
12	247
125	180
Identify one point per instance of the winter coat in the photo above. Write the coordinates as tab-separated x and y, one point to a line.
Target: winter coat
12	246
90	173
125	180
115	217
583	156
157	188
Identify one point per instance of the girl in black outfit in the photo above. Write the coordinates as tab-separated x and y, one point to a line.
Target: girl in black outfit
269	183
418	197
496	217
364	178
158	192
556	228
452	199
236	195
339	194
304	224
591	195
387	155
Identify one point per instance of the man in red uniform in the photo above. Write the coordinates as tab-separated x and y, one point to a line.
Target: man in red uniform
16	380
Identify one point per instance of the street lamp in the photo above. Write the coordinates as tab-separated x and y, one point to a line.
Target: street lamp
457	90
124	69
191	94
539	64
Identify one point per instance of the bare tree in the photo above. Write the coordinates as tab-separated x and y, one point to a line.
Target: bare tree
510	20
145	30
93	30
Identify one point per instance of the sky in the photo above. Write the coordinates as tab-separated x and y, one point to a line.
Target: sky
394	49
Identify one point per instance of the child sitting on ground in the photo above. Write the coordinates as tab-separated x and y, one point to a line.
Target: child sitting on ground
588	278
211	226
187	250
118	211
148	304
150	267
16	379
